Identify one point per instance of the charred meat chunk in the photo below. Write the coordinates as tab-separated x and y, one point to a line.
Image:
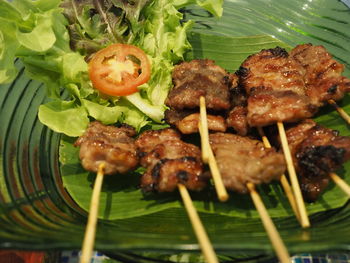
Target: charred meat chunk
168	173
169	161
188	124
316	152
242	160
200	77
109	144
237	116
237	92
312	187
276	91
322	74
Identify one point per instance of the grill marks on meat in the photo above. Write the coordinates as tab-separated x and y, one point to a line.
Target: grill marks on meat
238	93
242	160
322	74
187	123
276	91
289	88
268	107
109	144
200	77
316	152
169	161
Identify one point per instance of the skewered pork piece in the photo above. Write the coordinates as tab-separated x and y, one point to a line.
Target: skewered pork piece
187	121
242	160
276	91
322	74
104	150
200	77
289	87
109	144
316	152
169	161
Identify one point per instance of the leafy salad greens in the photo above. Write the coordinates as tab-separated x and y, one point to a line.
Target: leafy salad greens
54	38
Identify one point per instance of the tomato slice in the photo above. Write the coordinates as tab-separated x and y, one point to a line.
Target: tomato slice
119	69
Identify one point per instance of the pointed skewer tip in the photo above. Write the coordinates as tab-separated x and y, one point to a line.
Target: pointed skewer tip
199	230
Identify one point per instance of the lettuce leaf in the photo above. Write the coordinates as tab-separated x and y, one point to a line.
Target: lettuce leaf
212	6
8	49
64	117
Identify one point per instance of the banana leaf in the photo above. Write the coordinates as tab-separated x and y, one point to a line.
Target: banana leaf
44	193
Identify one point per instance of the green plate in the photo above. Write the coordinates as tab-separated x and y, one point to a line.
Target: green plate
36	211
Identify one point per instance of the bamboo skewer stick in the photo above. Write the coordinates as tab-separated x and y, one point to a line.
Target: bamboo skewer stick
199	230
219	185
90	231
284	182
341	183
203	129
204	242
341	112
207	154
336	179
293	177
270	228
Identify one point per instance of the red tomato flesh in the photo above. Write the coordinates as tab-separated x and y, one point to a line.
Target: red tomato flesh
119	69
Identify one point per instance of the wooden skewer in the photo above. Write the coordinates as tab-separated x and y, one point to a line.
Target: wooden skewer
90	231
208	156
203	130
293	177
341	112
284	182
341	183
204	242
270	228
215	172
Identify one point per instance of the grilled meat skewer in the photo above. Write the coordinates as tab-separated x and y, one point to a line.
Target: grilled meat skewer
200	77
242	160
169	162
109	144
322	74
286	87
276	92
316	151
